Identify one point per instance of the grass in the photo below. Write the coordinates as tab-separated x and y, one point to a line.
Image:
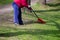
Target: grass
32	30
4	2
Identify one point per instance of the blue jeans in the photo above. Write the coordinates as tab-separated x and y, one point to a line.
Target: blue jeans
17	14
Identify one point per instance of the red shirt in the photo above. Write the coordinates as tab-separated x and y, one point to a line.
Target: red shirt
21	3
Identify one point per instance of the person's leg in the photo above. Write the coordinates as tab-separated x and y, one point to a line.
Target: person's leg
20	17
17	13
15	7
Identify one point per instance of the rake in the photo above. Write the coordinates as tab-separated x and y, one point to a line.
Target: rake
38	19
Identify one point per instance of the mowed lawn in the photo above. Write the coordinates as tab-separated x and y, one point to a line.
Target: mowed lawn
32	30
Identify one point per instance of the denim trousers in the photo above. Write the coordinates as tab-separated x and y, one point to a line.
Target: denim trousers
17	14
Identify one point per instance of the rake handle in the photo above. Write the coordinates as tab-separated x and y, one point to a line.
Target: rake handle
35	13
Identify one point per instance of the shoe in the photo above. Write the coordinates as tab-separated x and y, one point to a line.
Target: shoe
16	24
21	24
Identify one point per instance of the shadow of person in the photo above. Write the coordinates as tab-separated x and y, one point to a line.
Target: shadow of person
26	22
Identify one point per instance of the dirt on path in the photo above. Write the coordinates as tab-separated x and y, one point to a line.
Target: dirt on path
6	9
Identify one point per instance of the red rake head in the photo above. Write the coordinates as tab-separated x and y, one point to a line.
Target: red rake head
41	21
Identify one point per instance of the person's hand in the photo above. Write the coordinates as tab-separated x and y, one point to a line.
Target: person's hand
29	7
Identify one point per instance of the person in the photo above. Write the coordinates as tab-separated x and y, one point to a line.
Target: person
17	5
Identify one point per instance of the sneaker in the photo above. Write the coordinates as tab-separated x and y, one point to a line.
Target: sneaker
16	24
21	24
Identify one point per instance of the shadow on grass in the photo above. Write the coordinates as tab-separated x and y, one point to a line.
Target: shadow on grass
56	17
55	24
53	5
31	22
54	33
51	10
53	19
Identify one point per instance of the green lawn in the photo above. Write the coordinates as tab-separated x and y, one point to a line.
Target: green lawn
32	30
3	2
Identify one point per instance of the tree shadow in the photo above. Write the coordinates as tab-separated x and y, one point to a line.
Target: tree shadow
55	24
52	21
56	17
54	33
53	5
51	10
